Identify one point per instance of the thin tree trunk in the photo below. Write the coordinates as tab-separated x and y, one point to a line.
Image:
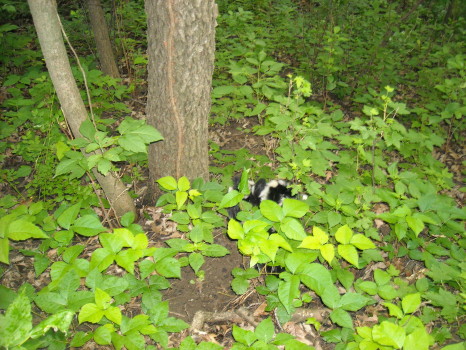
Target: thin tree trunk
45	16
102	39
181	46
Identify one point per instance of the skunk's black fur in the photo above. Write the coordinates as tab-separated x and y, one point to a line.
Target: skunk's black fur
275	190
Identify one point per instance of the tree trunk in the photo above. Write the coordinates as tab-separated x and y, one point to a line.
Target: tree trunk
102	39
45	16
181	46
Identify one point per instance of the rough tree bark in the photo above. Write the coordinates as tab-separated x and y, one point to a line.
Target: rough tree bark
45	16
102	39
181	46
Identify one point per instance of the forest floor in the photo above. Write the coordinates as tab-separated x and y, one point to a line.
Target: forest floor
214	301
210	306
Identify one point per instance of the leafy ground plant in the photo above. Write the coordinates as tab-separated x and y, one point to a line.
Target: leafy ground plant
378	244
17	331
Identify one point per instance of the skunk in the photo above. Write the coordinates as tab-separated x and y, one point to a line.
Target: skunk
275	190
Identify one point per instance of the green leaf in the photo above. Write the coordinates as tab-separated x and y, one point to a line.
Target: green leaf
415	224
231	199
171	324
59	321
140	241
197	234
346	278
223	90
136	134
127	219
269	248
402	211
181	217
328	252
72	166
235	230
90	313
88	225
102	258
69	216
341	318
52	302
293	229
294	208
158	312
362	242
87	129
333	218
146	267
280	242
457	346
111	241
387	292
265	330
411	302
271	210
389	334
394	310
215	251
126	259
103	334
169	267
255	226
20	230
349	253
240	285
320	234
7	296
317	278
71	253
419	339
113	313
243	336
181	197
353	301
194	211
102	299
183	184
168	183
104	166
196	260
381	277
369	287
343	235
80	338
16	323
288	290
112	155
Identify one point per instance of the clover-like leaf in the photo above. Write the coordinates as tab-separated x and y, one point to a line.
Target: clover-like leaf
349	253
362	242
344	234
235	230
411	302
168	183
90	313
272	211
328	252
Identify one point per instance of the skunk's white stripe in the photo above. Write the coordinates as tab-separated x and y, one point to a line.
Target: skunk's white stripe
276	190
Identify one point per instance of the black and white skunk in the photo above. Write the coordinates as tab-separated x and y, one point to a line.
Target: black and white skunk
275	190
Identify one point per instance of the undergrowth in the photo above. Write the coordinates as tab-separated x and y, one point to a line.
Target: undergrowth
360	99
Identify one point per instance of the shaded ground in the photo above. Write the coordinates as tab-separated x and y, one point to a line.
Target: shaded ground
189	295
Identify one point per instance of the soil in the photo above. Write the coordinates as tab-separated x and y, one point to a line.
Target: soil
213	294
